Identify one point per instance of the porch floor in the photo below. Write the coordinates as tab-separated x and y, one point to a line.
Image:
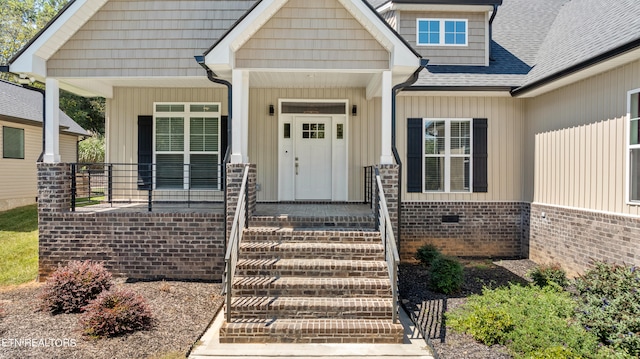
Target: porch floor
262	209
312	209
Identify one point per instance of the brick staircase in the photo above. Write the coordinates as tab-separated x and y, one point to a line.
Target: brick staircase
321	284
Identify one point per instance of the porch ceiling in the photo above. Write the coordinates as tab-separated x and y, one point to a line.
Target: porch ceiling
258	79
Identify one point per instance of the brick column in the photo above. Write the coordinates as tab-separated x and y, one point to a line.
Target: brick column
389	177
235	172
54	187
54	199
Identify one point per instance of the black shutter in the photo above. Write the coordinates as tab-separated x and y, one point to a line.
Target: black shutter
480	183
145	152
414	154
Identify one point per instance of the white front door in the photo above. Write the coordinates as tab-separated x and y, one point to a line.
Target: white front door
313	158
313	150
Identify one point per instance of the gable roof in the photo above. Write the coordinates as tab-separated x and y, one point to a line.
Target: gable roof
25	105
535	43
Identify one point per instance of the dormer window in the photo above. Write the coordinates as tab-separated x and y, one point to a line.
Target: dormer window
442	32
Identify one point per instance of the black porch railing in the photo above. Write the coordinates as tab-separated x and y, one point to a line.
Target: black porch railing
149	183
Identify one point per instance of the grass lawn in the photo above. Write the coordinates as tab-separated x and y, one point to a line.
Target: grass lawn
19	245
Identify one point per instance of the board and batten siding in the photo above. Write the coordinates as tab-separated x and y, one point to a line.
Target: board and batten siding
146	38
312	35
504	138
18	182
475	53
576	143
363	133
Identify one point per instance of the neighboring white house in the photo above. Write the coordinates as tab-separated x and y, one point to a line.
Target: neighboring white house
21	143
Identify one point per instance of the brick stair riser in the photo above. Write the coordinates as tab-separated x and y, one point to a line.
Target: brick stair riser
267	308
322	273
296	313
362	291
329	333
318	237
311	253
356	222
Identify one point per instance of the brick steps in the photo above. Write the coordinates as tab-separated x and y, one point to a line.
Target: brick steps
321	250
311	286
312	331
311	267
311	308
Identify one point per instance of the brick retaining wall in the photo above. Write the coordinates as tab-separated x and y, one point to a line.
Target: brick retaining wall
574	237
484	229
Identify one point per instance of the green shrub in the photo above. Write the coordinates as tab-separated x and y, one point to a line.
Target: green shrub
527	320
446	275
555	352
71	287
551	275
115	313
427	253
609	305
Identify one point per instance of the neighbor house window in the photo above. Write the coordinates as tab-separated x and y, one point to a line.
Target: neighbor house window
634	146
187	145
447	155
12	142
442	32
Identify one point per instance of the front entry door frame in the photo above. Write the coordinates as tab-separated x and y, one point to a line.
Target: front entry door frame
289	128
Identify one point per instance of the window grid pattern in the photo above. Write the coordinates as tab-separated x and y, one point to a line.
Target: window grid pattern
187	146
442	32
447	155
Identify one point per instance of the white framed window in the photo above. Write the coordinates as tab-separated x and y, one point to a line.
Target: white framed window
186	145
447	149
442	32
633	147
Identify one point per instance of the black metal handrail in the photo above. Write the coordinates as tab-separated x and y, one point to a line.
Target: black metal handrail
240	222
113	183
368	185
385	227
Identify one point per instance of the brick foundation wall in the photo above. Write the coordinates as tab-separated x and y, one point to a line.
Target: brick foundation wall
573	237
485	229
136	245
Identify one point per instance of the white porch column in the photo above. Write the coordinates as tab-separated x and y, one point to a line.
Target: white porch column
240	126
52	125
386	155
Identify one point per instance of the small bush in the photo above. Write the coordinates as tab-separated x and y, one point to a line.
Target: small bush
609	305
71	287
446	275
530	321
427	253
115	313
549	275
555	352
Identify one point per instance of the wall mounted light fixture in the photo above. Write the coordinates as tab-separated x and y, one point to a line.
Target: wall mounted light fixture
272	111
354	110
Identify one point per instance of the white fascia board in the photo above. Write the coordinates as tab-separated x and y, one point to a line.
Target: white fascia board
455	94
437	7
222	55
33	59
599	68
401	54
